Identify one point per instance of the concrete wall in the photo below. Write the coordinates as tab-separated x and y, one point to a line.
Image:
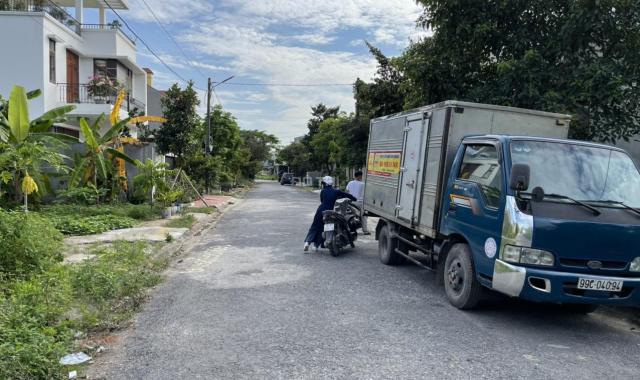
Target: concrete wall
22	61
154	105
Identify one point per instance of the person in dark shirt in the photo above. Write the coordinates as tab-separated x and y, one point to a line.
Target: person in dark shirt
328	198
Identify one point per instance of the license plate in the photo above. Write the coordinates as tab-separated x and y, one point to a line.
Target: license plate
329	227
602	284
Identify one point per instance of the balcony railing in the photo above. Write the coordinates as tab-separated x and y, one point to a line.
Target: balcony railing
85	94
107	27
42	6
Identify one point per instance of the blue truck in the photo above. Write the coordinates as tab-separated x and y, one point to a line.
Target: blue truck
498	198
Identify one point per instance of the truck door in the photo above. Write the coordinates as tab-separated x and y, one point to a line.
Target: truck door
475	203
417	126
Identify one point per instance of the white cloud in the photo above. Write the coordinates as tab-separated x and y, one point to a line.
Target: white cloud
314	38
285	41
174	11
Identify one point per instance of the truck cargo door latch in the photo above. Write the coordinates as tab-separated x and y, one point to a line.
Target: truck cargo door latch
411	184
403	169
407	129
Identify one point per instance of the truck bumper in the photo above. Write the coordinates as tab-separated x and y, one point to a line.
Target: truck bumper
540	285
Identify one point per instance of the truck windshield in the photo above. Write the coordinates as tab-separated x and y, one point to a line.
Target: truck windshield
582	172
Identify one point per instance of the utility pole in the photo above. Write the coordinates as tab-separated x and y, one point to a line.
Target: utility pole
207	147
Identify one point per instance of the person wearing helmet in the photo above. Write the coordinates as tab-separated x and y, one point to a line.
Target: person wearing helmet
328	198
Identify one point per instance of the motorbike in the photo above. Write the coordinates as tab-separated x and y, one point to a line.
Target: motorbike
341	225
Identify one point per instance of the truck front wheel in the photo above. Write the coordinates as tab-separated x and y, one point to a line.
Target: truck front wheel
460	283
387	247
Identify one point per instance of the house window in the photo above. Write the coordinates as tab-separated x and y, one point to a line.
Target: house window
52	61
106	67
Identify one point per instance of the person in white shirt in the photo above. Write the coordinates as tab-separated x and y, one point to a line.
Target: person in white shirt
356	188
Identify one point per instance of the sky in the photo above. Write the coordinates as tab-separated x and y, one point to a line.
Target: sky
275	42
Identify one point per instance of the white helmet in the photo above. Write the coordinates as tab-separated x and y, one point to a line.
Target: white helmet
328	180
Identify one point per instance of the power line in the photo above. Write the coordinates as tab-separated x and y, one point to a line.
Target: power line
149	47
289	84
164	29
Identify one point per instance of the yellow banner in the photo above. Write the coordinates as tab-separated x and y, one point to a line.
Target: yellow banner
384	164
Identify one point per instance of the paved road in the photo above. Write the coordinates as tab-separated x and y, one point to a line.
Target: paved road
247	303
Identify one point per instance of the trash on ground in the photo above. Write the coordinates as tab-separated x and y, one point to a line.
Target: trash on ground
73	374
73	359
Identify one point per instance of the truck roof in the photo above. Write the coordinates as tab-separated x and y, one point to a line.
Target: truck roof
506	138
457	103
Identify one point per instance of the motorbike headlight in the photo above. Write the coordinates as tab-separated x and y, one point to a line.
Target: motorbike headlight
635	265
524	255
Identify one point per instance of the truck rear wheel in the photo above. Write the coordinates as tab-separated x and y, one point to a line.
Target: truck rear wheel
387	246
460	283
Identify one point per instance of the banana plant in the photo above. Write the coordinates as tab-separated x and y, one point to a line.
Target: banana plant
15	126
28	145
95	163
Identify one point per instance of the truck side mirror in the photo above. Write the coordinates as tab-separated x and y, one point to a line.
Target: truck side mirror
519	179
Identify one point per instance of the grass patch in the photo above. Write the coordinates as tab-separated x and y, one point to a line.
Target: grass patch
40	314
200	210
185	221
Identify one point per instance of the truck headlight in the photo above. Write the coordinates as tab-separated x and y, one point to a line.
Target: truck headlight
524	255
635	265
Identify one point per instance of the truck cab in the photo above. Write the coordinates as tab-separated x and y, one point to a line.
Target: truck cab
498	198
545	220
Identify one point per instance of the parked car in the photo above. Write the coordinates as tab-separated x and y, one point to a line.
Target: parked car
287	179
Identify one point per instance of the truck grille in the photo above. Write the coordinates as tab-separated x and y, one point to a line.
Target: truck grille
579	263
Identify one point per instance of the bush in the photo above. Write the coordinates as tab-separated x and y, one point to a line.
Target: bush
29	243
33	334
39	315
89	225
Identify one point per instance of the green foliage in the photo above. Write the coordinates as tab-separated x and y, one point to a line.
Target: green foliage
184	221
152	177
33	333
576	57
27	146
96	163
30	244
178	135
261	147
39	314
138	212
89	225
88	195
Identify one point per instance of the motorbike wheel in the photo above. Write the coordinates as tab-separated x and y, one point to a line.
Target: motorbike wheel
332	244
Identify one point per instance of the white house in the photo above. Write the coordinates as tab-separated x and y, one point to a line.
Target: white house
58	45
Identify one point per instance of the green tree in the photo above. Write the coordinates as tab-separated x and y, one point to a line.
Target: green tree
260	146
297	156
178	135
579	57
330	142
